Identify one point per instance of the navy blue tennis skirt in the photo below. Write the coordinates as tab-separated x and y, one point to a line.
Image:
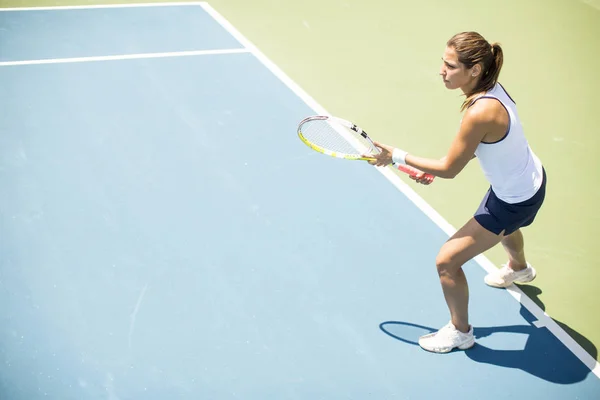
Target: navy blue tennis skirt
496	215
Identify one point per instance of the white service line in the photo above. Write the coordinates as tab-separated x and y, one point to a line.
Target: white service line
542	318
93	6
125	57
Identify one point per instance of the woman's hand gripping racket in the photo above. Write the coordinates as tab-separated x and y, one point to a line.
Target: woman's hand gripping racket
339	138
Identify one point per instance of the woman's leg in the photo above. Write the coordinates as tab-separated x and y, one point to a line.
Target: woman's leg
470	240
515	247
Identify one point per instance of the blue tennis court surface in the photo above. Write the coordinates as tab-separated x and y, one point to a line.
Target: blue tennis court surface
165	235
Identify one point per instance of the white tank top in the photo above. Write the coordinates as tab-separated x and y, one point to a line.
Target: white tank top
510	166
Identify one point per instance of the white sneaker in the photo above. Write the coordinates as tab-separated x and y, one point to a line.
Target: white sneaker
447	339
505	276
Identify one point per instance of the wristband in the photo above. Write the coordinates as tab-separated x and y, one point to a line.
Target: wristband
399	156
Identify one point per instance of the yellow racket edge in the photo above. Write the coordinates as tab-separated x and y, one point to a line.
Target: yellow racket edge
333	153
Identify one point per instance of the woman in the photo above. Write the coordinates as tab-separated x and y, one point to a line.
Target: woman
491	131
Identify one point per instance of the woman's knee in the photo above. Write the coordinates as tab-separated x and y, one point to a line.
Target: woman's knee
446	264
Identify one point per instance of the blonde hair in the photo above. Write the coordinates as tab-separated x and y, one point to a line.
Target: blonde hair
471	49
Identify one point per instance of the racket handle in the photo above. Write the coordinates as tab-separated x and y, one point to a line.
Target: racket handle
412	171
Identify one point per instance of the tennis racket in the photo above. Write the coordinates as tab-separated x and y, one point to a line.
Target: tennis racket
339	138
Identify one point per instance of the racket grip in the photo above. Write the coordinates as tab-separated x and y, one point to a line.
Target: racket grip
412	171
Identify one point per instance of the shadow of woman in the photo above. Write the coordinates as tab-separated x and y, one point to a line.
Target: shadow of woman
543	355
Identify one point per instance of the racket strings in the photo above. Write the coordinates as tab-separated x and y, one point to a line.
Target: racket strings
335	137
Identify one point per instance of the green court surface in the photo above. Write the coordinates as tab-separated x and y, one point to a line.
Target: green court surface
376	62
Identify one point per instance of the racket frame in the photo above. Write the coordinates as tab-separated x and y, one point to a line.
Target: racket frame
355	143
352	140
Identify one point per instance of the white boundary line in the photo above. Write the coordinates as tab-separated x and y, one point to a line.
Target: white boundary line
125	57
84	7
484	262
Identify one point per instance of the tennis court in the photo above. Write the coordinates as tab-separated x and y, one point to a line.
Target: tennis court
165	235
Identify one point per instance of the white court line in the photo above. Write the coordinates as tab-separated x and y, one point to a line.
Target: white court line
484	262
125	57
84	7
